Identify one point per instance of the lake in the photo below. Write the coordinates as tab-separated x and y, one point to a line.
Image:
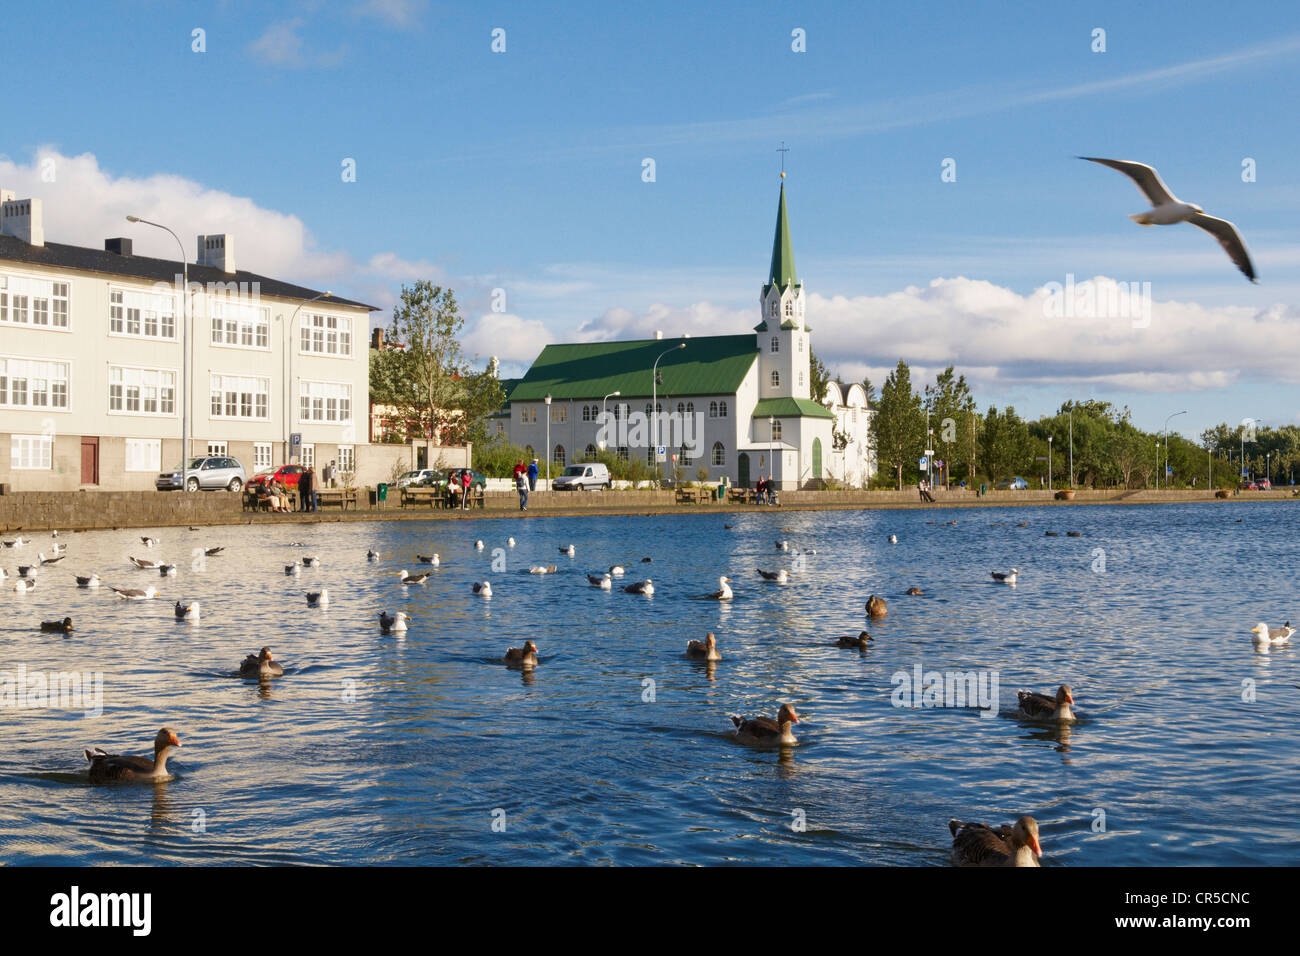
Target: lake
421	748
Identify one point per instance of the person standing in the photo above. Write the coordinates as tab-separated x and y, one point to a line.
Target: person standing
521	485
305	491
532	475
464	484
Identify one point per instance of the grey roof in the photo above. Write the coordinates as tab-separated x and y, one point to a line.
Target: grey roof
81	259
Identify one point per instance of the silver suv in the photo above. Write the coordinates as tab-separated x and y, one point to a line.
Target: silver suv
211	474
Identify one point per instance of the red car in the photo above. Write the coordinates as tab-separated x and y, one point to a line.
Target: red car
286	475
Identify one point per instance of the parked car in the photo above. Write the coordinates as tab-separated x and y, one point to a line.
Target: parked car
420	476
287	475
477	481
1264	484
1012	484
584	477
1260	485
210	474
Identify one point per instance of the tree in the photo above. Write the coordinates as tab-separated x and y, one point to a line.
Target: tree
952	412
818	377
1005	445
899	423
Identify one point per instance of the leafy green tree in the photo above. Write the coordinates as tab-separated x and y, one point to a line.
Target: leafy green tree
818	377
952	416
899	424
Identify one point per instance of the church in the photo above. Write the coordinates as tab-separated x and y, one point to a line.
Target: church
739	406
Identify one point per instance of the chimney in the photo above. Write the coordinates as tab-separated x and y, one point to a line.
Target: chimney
120	246
659	333
377	339
217	251
22	219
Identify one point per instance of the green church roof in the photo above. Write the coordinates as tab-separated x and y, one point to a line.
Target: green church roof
709	365
791	408
781	273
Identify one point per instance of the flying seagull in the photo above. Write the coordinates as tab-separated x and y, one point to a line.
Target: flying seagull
1168	209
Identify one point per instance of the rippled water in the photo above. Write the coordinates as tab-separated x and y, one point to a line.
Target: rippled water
575	765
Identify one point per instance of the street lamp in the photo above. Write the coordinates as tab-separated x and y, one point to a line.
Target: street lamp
1049	462
771	445
288	363
547	400
654	404
1165	429
185	348
603	422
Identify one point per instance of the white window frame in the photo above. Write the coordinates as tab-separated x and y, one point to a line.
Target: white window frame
218	449
776	344
39	296
142	383
347	459
150	449
325	334
21	448
263	455
217	382
719	455
32	367
145	304
304	391
307	455
236	324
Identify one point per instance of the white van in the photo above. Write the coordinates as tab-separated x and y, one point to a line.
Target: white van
583	477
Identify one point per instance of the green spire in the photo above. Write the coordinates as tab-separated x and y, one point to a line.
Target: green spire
782	274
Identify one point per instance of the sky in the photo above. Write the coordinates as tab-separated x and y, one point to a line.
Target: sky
520	177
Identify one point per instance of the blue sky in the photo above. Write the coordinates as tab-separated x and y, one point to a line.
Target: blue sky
523	171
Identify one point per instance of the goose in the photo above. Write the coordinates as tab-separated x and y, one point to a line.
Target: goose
647	560
187	612
372	555
478	545
149	542
542	569
766	731
106	767
724	592
848	640
209	552
876	607
393	623
483	588
525	656
705	650
261	665
319	598
432	559
1005	577
136	594
1047	708
617	570
605	581
89	581
167	570
145	564
510	542
1266	636
1074	534
1051	534
294	568
783	546
728	527
312	562
974	844
893	539
23	585
645	587
780	577
412	578
569	549
63	627
914	591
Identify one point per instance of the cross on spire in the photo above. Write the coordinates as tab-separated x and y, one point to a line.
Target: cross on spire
783	149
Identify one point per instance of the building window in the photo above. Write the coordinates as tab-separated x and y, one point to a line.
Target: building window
799	339
261	455
713	409
690	408
143	454
586	413
523	416
719	454
347	460
237	324
141	315
776	343
141	391
31	452
622	452
684	458
776	379
771	310
776	430
558	457
559	414
27	383
218	449
326	335
648	410
722	409
307	456
329	402
801	379
532	416
590	451
681	408
25	301
240	396
789	307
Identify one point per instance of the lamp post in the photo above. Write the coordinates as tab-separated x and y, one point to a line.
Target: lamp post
288	364
1165	429
1049	462
771	445
654	404
185	348
603	422
1072	445
547	400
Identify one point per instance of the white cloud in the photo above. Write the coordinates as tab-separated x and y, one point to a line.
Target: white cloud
515	341
281	45
393	13
702	318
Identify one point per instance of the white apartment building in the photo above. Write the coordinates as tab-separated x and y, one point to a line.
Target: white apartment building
92	379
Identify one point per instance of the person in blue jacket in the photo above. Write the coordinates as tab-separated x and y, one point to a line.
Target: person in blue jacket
532	476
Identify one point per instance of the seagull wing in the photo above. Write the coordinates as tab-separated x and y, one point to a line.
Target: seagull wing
1147	179
1229	238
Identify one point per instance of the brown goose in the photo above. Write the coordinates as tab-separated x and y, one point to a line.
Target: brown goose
1047	708
974	844
914	590
848	640
764	731
63	627
261	665
525	656
106	767
705	650
876	607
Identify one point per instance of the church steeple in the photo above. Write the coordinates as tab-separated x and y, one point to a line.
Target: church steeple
781	273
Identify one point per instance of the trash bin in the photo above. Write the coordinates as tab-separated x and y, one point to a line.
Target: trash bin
382	492
983	489
722	491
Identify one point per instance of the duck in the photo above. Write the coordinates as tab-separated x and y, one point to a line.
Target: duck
294	568
1051	534
144	563
311	562
876	607
569	549
542	569
605	581
1005	577
1047	708
135	594
764	731
23	585
893	539
88	581
148	542
412	578
167	570
1272	637
914	591
187	612
975	844
431	559
478	545
848	640
108	768
483	588
780	577
60	627
724	592
705	650
728	527
319	598
1023	524
210	552
647	560
261	665
1074	534
393	623
372	555
617	570
645	587
525	656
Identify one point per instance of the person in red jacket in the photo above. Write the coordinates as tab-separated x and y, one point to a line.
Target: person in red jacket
464	484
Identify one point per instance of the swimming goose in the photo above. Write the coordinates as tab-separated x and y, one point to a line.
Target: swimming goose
213	551
432	559
974	844
876	607
294	568
780	577
393	623
319	598
149	542
483	588
63	627
1047	708
705	650
89	581
167	570
641	587
372	555
525	656
766	731
570	550
261	665
311	562
187	612
136	594
542	569
1005	577
893	539
23	585
412	578
605	582
1266	636
144	563
914	590
106	767
848	640
723	593
617	570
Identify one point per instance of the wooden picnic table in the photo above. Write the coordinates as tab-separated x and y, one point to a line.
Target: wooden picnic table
744	496
343	497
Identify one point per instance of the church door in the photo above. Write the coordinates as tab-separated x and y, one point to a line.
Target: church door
742	466
817	458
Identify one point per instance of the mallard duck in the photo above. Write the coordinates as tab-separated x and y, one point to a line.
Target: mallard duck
412	578
1045	707
106	767
724	592
705	650
974	844
483	588
393	623
1272	637
1074	534
261	665
61	627
640	587
604	581
187	612
781	576
766	731
1051	534
876	607
525	656
1005	577
848	640
319	598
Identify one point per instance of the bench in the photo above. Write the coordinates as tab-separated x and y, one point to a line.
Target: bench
253	503
740	496
338	496
413	496
476	498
